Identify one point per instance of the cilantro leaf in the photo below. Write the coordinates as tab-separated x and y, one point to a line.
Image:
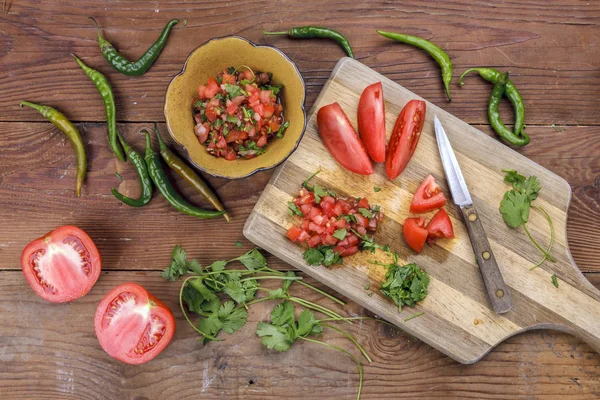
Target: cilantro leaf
178	264
232	319
273	88
305	183
376	189
515	208
554	280
294	210
348	217
233	90
277	294
210	325
514	178
252	260
340	233
532	187
365	212
251	148
282	128
218	266
283	314
313	257
319	192
239	244
307	324
235	290
274	337
330	257
405	285
285	286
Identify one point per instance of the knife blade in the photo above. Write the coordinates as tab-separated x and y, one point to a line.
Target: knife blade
496	288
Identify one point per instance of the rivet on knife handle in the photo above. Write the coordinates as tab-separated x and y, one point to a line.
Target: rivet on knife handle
492	278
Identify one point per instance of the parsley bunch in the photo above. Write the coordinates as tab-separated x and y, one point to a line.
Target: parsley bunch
516	205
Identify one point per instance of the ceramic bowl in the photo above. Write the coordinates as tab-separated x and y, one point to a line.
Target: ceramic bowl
207	61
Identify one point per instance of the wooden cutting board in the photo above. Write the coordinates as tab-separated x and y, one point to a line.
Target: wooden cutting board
458	319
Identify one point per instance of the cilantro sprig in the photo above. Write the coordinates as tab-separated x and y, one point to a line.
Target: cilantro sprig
516	205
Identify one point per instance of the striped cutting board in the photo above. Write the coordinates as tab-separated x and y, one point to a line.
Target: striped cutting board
458	319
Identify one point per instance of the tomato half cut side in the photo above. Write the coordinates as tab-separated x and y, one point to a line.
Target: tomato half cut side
132	325
371	121
415	233
440	227
428	197
62	265
405	137
342	141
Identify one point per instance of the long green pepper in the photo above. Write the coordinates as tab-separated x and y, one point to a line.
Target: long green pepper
310	32
430	48
494	115
492	75
109	105
59	120
142	171
161	181
139	67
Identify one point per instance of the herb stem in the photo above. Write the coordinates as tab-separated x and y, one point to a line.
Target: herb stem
414	316
185	313
547	255
356	360
547	216
352	339
316	307
283	278
311	287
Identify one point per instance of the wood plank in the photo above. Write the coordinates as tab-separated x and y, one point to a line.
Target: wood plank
58	356
482	159
551	48
37	172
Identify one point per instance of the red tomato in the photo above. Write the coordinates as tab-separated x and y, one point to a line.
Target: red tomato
371	121
62	265
265	96
314	241
440	227
428	197
132	325
341	140
202	92
236	135
345	252
268	111
201	130
415	233
228	79
405	137
293	233
212	88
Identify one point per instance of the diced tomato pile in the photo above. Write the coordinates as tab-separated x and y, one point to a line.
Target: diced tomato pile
331	222
238	113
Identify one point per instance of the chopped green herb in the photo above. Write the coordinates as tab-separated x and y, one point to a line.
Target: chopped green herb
119	177
365	212
233	90
367	286
323	255
313	257
273	88
554	280
414	316
198	103
225	131
348	217
294	210
234	120
251	148
405	285
376	189
340	234
217	124
185	22
282	128
239	244
556	128
319	192
305	183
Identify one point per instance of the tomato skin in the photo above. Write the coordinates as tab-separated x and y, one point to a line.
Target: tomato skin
405	137
342	141
415	233
371	121
440	227
59	280
293	233
428	197
121	333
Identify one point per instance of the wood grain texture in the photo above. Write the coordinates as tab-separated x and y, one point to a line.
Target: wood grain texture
61	354
550	48
452	303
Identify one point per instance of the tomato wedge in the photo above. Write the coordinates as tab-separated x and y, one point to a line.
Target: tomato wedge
415	233
132	325
405	137
440	227
62	265
371	121
342	141
428	197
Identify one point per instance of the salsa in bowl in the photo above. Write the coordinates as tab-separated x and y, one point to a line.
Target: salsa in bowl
241	156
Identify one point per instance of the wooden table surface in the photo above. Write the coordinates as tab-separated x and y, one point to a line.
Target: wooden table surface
50	351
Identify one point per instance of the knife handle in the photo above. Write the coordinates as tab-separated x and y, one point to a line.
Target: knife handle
497	289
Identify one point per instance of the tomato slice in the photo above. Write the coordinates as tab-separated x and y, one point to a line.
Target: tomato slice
61	266
132	325
440	227
415	233
405	137
371	121
341	140
428	197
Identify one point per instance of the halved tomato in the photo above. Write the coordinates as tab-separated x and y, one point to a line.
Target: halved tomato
371	121
63	265
428	197
440	227
415	233
132	325
405	137
342	141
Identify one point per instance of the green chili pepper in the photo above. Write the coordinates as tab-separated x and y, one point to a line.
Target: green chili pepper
492	75
61	122
161	181
433	50
188	174
109	105
310	32
494	115
143	63
142	171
